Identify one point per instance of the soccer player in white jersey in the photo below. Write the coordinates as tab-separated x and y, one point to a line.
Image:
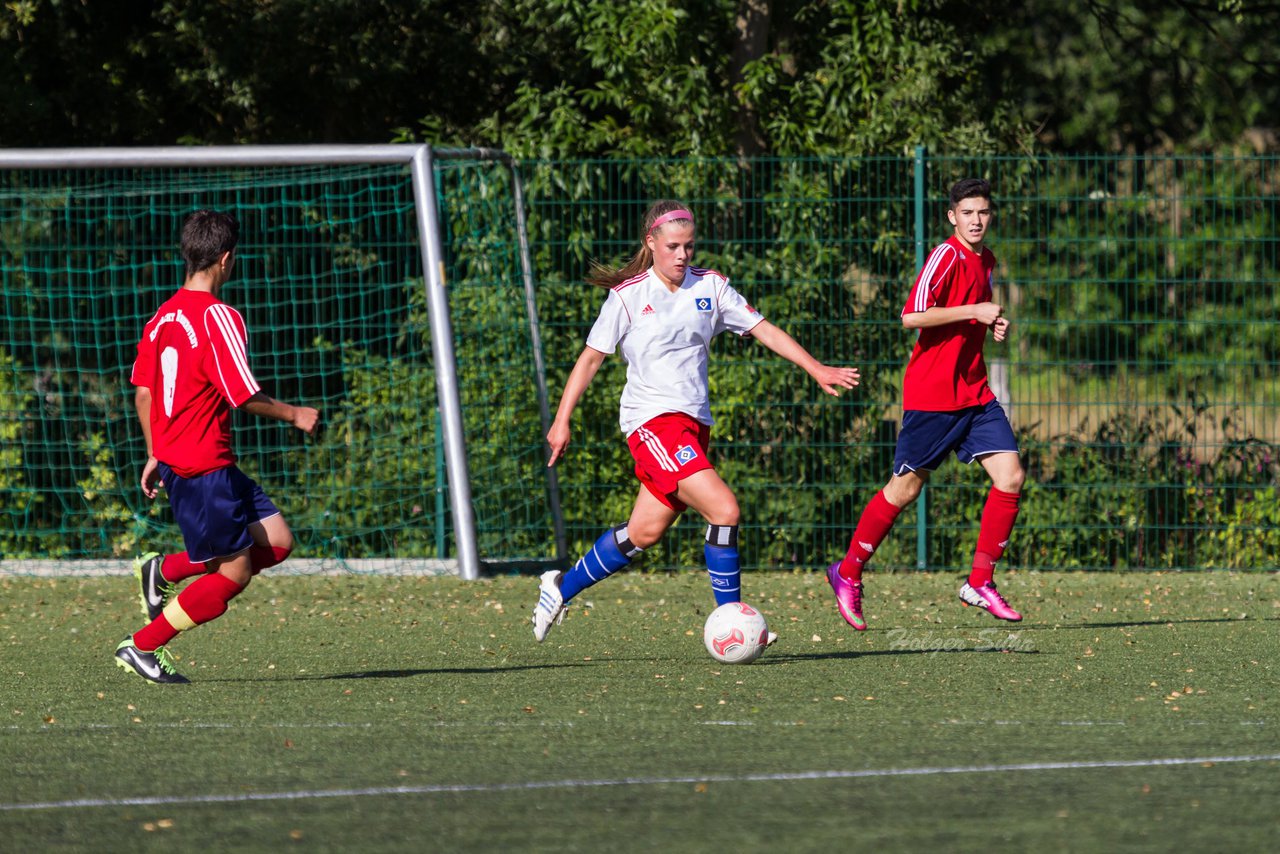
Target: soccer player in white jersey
662	312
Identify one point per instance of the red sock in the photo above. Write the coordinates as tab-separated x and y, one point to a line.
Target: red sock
873	526
178	566
265	557
203	600
998	516
154	634
206	598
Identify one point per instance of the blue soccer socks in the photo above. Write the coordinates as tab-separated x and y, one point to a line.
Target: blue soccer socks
612	552
721	552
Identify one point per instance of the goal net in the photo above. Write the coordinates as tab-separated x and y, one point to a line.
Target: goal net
345	283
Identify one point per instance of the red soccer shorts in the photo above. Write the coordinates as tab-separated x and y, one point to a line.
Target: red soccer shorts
667	449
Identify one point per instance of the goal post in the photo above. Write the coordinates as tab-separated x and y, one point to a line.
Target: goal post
72	322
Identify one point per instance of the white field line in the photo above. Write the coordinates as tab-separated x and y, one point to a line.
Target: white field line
197	725
529	786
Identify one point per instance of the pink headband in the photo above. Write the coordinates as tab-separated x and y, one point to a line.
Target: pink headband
670	215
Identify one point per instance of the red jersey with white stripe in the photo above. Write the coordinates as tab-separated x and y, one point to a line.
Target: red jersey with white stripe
194	358
946	371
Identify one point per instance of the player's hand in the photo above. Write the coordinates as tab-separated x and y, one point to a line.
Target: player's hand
150	477
1000	329
557	441
833	379
305	419
987	313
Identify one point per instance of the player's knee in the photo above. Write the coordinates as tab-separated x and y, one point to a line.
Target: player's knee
282	541
724	511
901	491
237	571
1012	481
643	536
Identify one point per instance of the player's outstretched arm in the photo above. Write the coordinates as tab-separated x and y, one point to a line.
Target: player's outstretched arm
303	417
584	370
831	378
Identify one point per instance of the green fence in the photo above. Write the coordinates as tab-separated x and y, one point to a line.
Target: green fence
1141	374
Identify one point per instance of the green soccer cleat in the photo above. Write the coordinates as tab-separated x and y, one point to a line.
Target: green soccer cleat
155	590
155	666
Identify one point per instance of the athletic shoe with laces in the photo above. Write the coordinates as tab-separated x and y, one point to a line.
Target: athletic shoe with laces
988	599
155	590
153	666
550	608
848	597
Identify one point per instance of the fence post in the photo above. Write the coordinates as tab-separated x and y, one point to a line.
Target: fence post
922	503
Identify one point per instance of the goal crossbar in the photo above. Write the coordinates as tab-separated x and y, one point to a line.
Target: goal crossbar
420	158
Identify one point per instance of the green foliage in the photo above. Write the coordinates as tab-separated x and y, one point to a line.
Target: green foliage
1138	494
654	78
17	499
1138	75
642	78
376	496
106	510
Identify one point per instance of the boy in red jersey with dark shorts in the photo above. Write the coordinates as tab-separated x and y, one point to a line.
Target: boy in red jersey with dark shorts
948	407
192	368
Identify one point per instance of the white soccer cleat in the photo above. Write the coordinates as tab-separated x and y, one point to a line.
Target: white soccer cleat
550	608
770	639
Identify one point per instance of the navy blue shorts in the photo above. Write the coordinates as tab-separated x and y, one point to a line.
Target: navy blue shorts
214	510
927	437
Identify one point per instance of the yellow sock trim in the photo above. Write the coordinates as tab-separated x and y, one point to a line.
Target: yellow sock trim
177	617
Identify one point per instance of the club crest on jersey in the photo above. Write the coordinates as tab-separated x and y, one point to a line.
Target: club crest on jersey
703	303
685	454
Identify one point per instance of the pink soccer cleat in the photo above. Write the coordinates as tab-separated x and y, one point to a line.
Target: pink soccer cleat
848	597
988	599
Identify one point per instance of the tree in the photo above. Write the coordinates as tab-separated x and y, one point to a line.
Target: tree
639	78
1145	75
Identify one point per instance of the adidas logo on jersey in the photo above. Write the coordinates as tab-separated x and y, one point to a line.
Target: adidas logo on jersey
648	309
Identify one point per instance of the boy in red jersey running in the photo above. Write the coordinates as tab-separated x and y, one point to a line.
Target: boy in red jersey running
661	313
948	407
192	368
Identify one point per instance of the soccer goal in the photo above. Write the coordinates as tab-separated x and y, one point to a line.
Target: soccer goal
390	286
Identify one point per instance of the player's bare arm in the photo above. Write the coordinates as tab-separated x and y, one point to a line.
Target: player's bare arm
150	476
304	418
985	313
830	378
584	371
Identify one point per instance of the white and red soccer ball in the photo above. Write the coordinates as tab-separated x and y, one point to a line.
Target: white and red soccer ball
735	633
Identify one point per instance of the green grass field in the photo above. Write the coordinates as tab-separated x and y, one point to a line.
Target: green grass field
1127	712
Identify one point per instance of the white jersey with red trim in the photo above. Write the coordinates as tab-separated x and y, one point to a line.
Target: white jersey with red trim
194	359
665	338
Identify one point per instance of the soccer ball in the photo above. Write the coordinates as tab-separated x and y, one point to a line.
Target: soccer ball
735	633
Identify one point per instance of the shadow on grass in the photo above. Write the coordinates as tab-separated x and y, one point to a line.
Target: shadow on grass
444	671
784	658
1138	623
407	672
